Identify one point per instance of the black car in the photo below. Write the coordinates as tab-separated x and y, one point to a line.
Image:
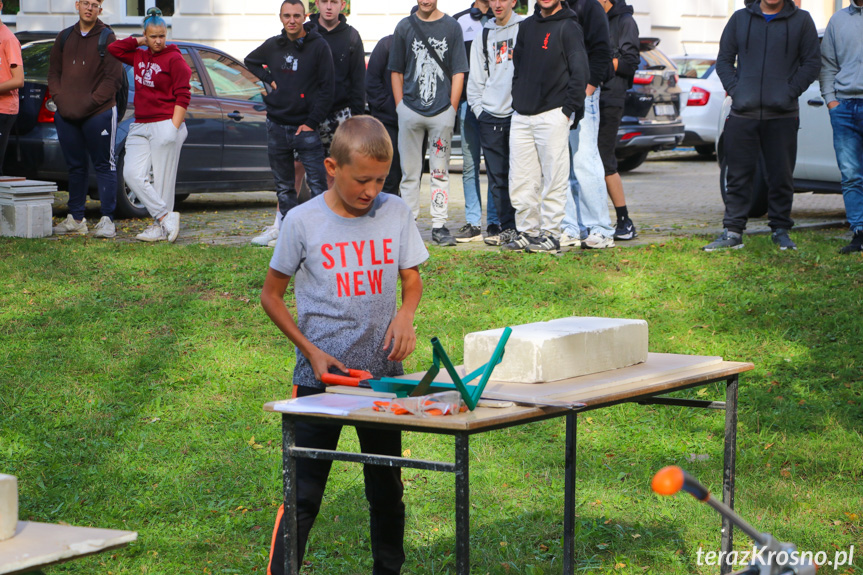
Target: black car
226	150
651	114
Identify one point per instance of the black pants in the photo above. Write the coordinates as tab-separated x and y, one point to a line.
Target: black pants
394	179
384	490
81	141
6	122
494	140
609	122
746	140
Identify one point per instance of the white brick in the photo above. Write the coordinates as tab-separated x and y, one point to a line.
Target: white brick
25	208
205	7
8	506
560	349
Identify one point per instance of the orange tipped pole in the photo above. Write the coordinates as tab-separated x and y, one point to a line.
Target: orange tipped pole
668	480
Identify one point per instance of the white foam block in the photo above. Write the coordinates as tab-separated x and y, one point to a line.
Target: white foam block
560	349
8	506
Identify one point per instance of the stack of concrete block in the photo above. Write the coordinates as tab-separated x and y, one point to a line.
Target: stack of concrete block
25	207
560	349
8	506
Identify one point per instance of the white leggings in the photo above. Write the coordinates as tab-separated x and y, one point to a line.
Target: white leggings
156	145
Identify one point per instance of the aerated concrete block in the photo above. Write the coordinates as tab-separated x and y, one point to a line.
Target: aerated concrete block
560	349
8	506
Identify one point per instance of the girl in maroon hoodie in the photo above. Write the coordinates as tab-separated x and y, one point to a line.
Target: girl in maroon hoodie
162	95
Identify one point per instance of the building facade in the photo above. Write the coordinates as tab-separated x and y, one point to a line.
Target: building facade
693	26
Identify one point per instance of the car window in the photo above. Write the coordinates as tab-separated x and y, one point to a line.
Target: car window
195	83
230	79
655	60
694	67
35	58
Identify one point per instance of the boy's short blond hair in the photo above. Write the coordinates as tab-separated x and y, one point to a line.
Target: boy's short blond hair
363	135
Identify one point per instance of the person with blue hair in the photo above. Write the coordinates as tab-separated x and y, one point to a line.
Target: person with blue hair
162	95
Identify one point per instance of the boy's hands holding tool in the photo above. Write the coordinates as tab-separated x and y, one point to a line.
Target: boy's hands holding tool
401	339
321	362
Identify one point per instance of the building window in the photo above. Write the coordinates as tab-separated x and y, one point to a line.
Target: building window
138	8
11	7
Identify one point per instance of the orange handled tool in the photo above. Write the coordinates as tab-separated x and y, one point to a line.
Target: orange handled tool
355	378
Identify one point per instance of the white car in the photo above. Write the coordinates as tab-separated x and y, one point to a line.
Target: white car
703	100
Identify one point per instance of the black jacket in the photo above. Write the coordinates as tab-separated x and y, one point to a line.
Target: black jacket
594	24
623	31
349	64
303	72
551	68
776	61
379	84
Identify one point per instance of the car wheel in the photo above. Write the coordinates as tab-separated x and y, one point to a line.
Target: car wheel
758	207
629	163
180	198
128	204
707	150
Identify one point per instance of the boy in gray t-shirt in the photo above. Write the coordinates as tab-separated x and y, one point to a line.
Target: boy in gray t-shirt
346	250
428	62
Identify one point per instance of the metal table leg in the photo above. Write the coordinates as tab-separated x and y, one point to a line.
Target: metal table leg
289	482
462	504
729	466
569	494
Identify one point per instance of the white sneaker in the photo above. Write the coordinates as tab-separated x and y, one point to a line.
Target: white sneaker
272	243
269	234
154	233
567	241
70	226
597	242
171	224
105	228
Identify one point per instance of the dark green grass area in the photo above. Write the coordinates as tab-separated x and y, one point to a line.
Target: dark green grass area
132	379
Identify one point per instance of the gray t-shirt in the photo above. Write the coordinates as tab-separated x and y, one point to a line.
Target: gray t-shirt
345	273
427	88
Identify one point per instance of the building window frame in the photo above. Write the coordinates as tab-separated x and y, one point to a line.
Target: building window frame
124	17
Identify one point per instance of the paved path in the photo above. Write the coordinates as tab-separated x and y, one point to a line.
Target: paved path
672	194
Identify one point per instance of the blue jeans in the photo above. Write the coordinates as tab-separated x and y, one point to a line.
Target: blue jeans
471	149
587	202
847	121
90	139
282	141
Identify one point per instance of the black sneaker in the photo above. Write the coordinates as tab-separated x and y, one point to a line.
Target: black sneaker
518	244
856	244
781	239
508	236
442	237
726	240
544	244
492	235
625	230
468	233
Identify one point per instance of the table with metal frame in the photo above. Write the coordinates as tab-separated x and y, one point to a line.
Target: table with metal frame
645	392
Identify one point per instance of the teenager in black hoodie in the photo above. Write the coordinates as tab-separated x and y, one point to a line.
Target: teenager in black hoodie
299	68
768	55
623	31
550	78
349	66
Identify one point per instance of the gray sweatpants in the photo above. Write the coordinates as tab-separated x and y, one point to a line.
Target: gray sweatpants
156	145
412	128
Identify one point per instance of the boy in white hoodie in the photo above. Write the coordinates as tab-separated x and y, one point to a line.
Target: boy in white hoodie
489	95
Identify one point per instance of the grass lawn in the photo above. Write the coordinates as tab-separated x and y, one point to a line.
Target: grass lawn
132	378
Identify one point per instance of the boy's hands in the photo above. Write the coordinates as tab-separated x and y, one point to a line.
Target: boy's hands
400	338
322	362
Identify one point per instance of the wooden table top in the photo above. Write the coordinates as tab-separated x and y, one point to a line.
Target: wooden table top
661	373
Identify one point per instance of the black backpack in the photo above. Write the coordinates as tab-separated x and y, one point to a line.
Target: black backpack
122	96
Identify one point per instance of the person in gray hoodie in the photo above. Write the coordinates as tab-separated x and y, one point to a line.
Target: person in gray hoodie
489	95
768	56
842	88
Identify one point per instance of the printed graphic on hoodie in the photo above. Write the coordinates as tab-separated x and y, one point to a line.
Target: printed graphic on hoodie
427	71
291	64
147	77
504	51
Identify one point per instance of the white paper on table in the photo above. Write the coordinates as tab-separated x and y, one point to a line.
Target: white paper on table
326	403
